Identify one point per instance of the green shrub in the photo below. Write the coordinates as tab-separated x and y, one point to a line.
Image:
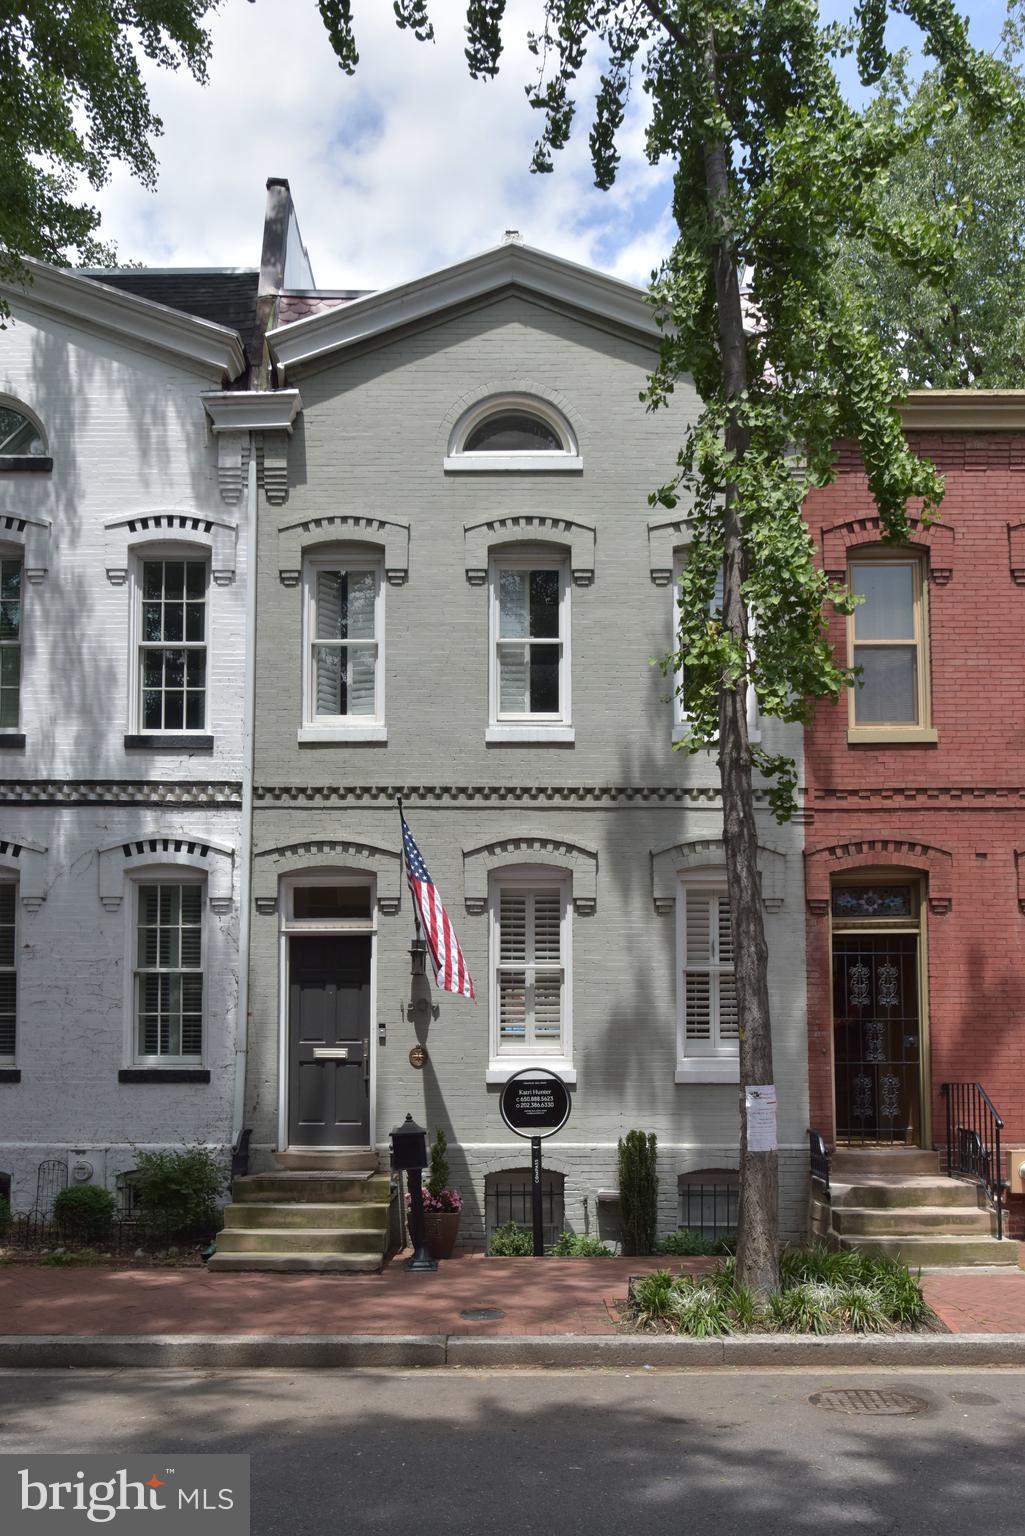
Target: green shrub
685	1243
85	1211
437	1179
5	1217
178	1191
580	1245
511	1242
638	1191
820	1292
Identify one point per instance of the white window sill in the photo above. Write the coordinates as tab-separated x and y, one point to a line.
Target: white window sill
894	735
501	1071
708	1069
538	734
517	463
326	734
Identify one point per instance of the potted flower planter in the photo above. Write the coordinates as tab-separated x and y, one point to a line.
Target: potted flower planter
441	1228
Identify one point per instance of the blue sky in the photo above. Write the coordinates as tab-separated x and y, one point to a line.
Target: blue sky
403	168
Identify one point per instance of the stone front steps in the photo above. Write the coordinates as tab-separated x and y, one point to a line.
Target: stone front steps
894	1202
318	1212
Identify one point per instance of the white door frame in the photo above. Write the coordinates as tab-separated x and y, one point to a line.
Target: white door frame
288	927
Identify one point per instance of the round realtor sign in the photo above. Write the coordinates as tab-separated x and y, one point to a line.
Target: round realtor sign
535	1102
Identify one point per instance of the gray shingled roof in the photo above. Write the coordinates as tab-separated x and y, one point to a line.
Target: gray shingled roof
226	297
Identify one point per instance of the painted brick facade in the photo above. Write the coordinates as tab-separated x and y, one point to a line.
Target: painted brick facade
950	812
370	443
133	470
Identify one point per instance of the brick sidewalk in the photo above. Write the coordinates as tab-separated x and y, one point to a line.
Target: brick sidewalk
562	1296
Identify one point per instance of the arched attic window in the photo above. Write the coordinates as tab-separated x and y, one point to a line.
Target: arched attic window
513	432
23	442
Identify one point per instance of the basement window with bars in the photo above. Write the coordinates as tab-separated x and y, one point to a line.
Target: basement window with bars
530	981
8	970
707	995
508	1196
169	972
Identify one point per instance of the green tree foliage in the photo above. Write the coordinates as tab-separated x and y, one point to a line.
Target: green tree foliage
773	169
967	329
72	102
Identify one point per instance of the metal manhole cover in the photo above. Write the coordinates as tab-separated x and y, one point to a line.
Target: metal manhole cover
481	1314
868	1400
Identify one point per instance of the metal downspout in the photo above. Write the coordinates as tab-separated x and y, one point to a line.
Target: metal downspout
246	841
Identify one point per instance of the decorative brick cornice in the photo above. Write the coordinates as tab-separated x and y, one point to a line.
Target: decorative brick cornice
299	538
131	855
933	795
496	532
217	539
708	853
316	853
867	853
27	860
32	536
541	795
272	466
581	862
218	796
840	540
664	539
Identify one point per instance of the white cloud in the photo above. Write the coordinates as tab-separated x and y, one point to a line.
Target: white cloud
405	167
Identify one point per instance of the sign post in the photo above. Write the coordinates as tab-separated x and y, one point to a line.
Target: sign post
535	1103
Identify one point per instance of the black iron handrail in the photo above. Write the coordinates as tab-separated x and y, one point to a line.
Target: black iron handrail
819	1158
973	1141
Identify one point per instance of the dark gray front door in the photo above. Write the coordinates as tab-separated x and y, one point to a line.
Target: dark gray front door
329	1040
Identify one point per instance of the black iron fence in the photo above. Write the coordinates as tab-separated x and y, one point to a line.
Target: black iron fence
819	1158
973	1141
123	1235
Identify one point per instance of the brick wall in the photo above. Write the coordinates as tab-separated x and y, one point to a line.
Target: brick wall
952	811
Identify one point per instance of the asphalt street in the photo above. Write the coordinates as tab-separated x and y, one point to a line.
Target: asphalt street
646	1452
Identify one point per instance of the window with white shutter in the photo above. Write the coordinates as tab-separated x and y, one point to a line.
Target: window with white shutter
708	996
8	973
681	719
530	967
169	971
530	663
343	646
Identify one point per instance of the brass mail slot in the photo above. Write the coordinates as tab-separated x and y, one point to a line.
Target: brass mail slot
338	1052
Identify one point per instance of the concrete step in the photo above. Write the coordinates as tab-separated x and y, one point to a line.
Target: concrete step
299	1240
904	1192
919	1251
310	1263
306	1213
330	1188
309	1160
851	1163
937	1220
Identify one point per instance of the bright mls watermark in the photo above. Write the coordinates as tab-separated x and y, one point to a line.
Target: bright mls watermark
173	1494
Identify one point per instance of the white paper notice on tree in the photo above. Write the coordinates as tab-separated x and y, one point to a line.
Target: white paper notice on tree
761	1118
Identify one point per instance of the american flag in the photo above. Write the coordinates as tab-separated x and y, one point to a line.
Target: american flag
450	971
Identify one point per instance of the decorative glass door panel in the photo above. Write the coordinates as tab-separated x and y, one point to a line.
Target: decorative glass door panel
877	1037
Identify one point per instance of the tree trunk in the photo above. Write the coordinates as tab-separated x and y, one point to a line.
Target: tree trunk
757	1247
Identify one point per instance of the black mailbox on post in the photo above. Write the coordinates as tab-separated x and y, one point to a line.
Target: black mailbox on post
408	1146
409	1155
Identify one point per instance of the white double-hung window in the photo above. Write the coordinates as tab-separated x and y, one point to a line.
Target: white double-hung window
343	683
171	684
530	660
708	1040
168	967
10	643
530	971
681	717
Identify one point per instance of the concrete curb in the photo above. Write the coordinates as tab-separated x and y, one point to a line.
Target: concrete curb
249	1351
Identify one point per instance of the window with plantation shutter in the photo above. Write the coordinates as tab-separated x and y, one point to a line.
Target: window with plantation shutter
169	971
530	967
681	718
344	642
708	987
530	664
8	975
